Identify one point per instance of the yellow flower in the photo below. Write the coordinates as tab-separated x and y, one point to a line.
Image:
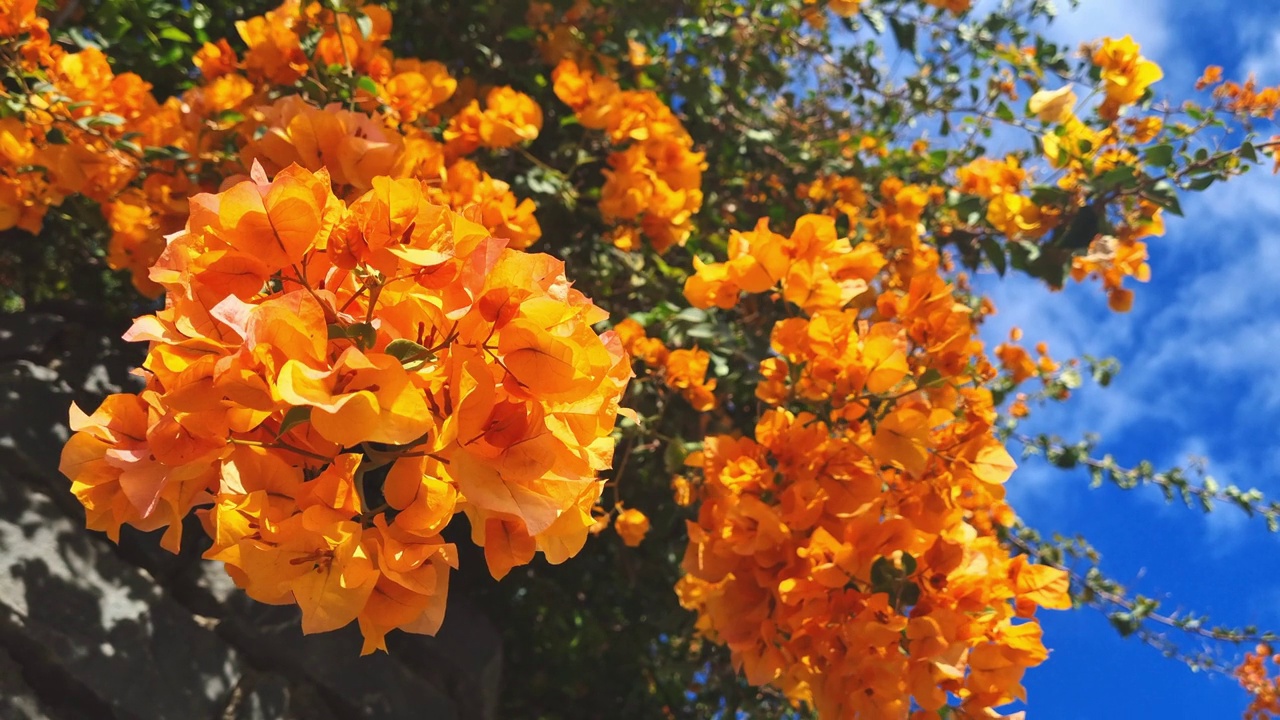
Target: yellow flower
682	490
637	54
1053	106
632	525
1015	215
845	8
1146	129
1076	140
988	178
1127	74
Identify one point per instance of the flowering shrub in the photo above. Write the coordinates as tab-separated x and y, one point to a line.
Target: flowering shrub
773	293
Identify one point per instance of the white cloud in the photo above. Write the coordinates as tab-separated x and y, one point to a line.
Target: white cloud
1145	20
1199	350
1265	61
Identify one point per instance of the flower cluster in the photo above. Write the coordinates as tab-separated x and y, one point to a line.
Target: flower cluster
848	552
1246	98
91	132
631	526
683	370
835	194
333	381
1115	258
1084	151
354	147
79	132
1017	362
508	119
358	147
1126	75
654	183
568	33
1255	677
816	269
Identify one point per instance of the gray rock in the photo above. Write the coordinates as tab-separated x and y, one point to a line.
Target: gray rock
264	696
376	687
73	607
18	700
26	335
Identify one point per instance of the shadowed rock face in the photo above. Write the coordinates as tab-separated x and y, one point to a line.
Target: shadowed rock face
69	601
89	629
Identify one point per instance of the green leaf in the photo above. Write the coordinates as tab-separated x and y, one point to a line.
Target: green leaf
904	33
908	595
365	24
173	33
995	254
168	152
884	575
875	18
909	564
410	354
1122	177
1125	623
521	33
929	378
1159	156
1083	229
294	417
1165	195
1070	378
362	334
1048	195
691	315
103	120
367	84
1201	183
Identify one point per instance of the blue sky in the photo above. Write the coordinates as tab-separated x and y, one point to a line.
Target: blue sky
1198	354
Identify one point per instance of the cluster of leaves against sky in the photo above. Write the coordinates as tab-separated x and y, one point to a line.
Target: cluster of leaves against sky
357	346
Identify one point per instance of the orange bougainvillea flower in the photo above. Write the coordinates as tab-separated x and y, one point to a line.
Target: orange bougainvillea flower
119	480
1126	73
275	50
304	343
632	526
362	398
508	119
653	185
215	59
848	550
140	159
354	147
414	88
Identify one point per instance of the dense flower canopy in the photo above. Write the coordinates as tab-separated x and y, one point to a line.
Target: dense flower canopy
405	297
